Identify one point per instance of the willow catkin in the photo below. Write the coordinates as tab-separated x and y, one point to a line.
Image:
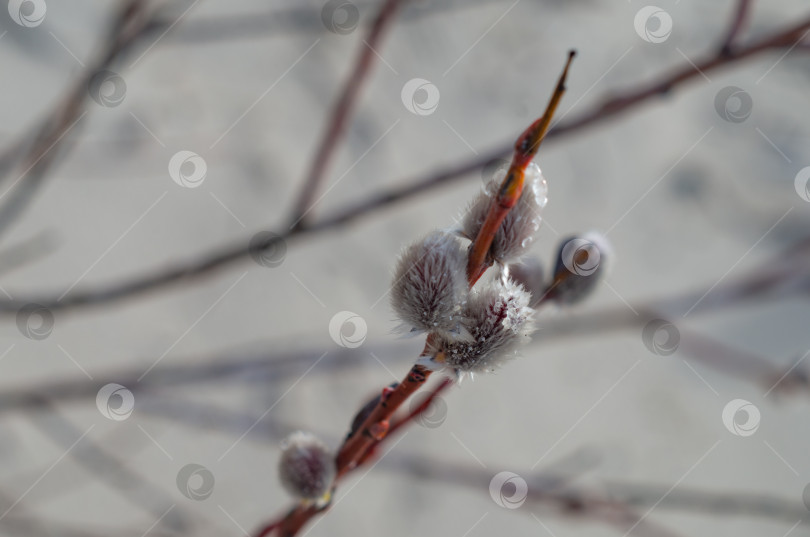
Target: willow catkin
430	283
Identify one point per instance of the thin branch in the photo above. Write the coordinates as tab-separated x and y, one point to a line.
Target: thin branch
108	469
548	489
297	19
738	23
784	275
342	112
508	194
374	427
222	258
50	137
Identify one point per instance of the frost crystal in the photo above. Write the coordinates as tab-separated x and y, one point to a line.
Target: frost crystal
430	283
518	228
307	467
498	319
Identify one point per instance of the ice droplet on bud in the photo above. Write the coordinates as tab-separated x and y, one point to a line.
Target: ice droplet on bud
522	221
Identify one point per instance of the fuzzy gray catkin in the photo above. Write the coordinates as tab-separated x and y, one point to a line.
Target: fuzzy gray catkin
307	467
430	283
498	318
516	233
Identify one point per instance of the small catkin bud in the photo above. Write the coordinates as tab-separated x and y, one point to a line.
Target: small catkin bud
517	230
307	467
581	263
498	319
430	283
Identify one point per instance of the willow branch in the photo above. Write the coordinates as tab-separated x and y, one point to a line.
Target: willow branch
342	112
374	427
41	148
214	261
557	493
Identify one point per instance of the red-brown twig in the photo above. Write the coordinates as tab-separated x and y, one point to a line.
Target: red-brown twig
422	406
508	194
415	412
376	424
342	112
213	261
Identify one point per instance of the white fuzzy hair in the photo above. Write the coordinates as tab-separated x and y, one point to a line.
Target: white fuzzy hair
498	318
517	230
430	283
